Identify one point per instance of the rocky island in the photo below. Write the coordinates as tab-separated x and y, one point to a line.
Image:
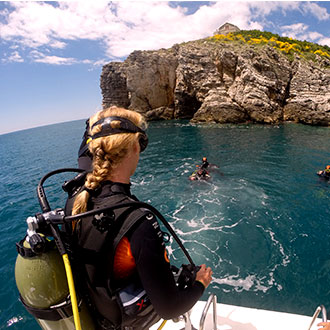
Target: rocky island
232	77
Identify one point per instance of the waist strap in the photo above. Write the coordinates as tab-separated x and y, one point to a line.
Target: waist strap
53	313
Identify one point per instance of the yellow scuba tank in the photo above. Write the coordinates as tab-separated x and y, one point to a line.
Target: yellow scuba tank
42	284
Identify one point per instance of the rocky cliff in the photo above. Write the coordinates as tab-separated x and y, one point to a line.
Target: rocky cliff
223	82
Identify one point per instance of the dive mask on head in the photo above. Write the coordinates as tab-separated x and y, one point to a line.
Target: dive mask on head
126	126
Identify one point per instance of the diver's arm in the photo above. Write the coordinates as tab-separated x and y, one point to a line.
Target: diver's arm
155	274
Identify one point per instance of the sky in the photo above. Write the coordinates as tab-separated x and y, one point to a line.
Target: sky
52	53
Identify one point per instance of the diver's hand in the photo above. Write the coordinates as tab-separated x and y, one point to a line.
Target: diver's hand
324	325
204	275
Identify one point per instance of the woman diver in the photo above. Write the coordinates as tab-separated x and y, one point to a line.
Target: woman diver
127	274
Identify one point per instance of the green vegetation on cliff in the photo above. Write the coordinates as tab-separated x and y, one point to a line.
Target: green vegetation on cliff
286	45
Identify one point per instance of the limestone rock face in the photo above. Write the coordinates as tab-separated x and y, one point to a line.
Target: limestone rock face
220	82
309	99
144	82
114	85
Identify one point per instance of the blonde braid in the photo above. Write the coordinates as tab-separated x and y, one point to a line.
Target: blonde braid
80	203
107	152
93	180
102	165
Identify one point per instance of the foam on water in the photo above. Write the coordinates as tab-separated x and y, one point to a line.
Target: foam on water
262	221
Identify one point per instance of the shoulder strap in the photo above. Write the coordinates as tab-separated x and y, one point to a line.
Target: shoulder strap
134	216
102	232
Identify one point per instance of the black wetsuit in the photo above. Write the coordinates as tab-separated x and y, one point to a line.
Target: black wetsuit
152	270
325	174
156	276
204	165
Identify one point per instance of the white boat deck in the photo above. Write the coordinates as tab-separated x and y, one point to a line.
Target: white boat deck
231	317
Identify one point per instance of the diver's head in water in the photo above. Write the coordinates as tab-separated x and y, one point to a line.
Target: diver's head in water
116	137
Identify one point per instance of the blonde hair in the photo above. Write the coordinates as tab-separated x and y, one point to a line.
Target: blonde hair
107	151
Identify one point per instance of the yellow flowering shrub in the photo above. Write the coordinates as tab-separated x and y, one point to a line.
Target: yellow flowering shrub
321	53
286	45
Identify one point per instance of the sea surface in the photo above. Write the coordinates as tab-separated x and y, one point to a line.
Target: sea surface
262	222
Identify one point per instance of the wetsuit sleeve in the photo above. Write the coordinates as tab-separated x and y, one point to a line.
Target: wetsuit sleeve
154	271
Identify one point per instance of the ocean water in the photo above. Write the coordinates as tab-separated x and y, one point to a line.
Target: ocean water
262	222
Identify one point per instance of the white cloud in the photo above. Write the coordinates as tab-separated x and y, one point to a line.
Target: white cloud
156	25
301	31
13	57
40	57
319	12
295	31
57	44
100	62
296	28
56	60
4	12
324	41
121	27
314	36
264	8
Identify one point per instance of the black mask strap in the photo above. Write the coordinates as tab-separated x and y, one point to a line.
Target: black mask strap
126	126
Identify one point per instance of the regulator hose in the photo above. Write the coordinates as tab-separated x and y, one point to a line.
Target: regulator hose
72	291
162	325
40	189
69	276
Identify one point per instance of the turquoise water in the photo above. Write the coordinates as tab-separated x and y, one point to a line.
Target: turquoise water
262	222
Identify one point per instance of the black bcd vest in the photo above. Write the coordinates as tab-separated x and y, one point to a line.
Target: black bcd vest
93	244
